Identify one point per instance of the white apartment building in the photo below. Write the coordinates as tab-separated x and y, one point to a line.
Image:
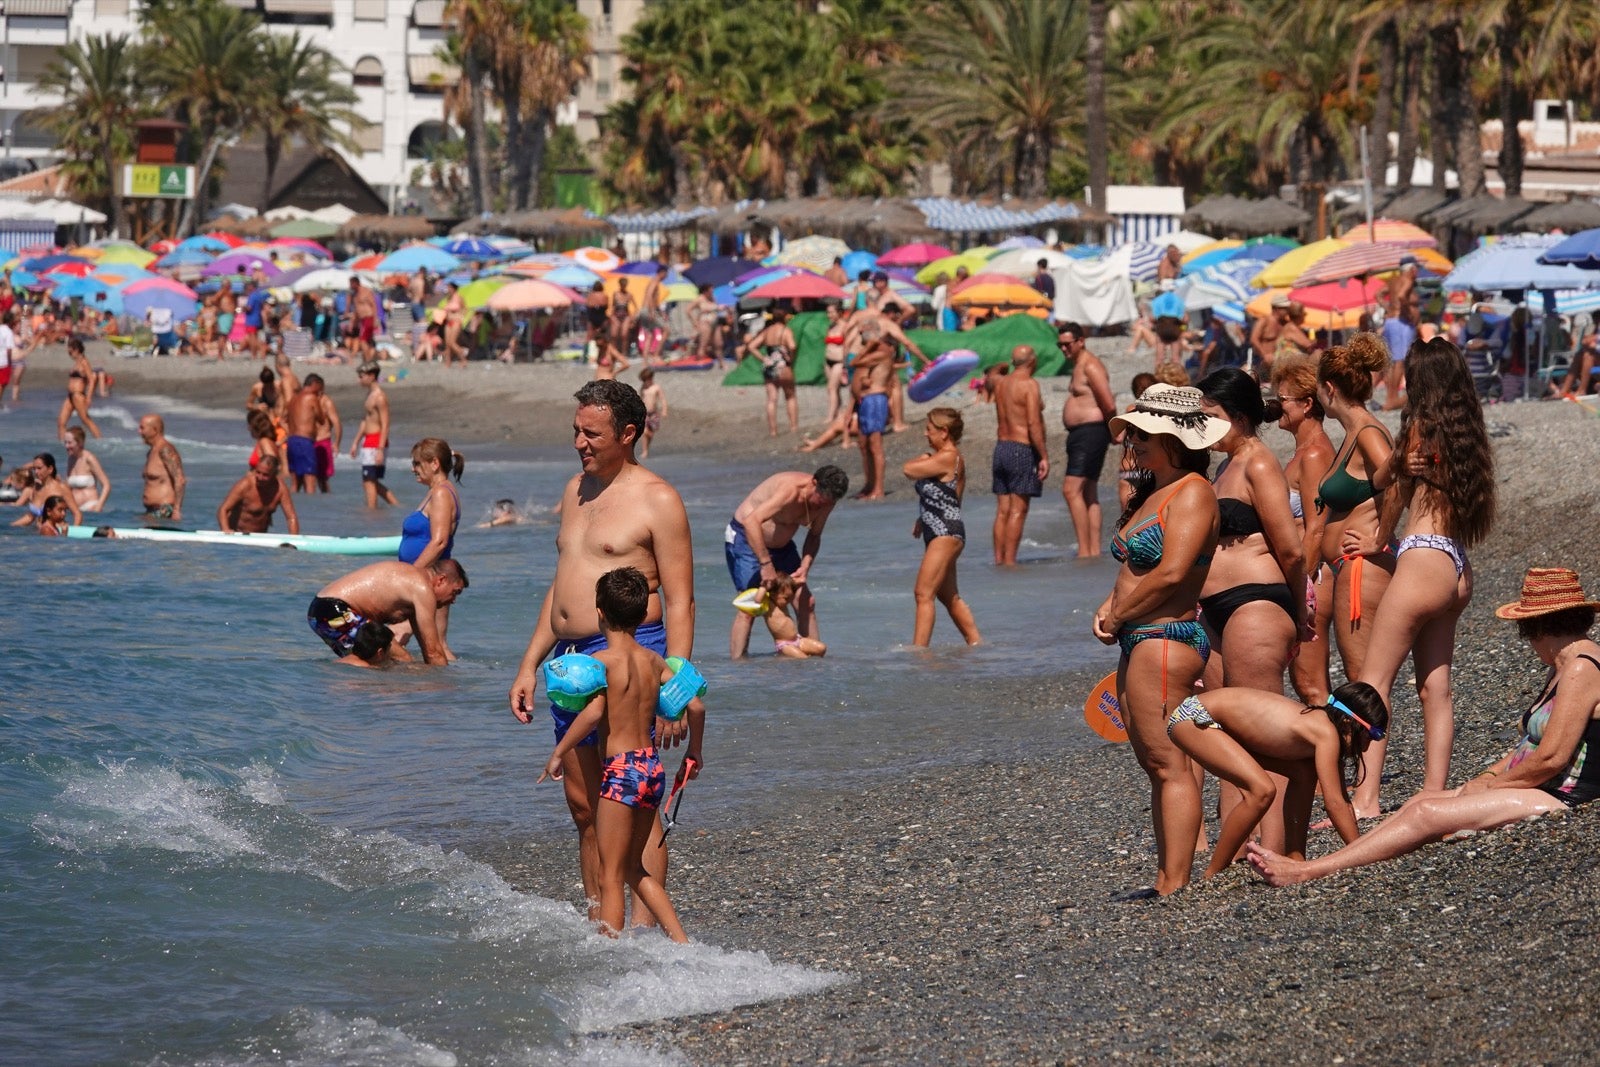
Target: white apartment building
388	45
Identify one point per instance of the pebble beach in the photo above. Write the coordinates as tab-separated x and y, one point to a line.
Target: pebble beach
974	912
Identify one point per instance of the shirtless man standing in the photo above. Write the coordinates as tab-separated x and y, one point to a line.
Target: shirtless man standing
301	421
1264	334
329	433
249	505
866	325
386	593
1020	460
364	320
759	541
372	439
163	472
1089	407
615	513
873	370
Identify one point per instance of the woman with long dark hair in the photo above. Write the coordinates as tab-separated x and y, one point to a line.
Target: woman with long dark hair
1442	471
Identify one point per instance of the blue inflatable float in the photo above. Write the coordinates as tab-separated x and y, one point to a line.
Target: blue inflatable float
944	372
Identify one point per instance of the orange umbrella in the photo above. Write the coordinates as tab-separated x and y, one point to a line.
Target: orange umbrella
529	294
1008	294
1391	231
1261	307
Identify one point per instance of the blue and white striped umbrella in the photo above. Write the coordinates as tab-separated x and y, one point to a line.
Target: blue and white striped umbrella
1144	259
1221	284
1577	301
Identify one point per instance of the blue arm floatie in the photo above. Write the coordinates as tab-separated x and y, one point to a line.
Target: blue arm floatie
685	684
573	679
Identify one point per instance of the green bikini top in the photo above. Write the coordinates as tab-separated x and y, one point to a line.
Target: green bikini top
1340	490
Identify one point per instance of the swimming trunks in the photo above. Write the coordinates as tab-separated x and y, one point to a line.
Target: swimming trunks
416	531
1016	469
1218	608
1145	542
302	455
652	635
652	422
335	622
158	511
1191	710
1448	545
939	509
1579	781
634	778
744	568
373	467
1086	450
1341	490
872	413
324	453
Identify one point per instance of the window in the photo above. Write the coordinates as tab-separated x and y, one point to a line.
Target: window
602	78
370	137
430	74
428	14
371	10
110	9
425	137
32	60
368	71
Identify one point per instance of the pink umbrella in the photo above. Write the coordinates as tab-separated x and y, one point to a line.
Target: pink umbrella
306	243
1339	296
798	287
144	285
528	295
241	263
1353	261
919	254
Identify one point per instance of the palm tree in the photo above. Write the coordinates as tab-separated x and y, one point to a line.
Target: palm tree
550	60
301	96
479	29
996	78
98	81
206	60
1095	133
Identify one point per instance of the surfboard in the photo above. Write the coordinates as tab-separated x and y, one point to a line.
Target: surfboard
320	543
1102	711
944	372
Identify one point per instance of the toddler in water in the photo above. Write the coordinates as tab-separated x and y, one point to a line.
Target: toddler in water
1240	734
786	639
633	786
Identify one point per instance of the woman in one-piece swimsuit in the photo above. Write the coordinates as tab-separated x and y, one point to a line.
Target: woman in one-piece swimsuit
941	479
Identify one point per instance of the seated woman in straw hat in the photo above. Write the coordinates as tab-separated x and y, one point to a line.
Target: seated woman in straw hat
1550	769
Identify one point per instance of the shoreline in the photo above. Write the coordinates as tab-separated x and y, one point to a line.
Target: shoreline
973	907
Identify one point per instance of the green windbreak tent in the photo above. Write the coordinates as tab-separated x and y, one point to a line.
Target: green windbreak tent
992	341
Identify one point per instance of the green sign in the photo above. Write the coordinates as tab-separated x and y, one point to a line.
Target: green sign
158	180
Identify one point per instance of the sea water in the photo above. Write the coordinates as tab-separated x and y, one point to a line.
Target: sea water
221	847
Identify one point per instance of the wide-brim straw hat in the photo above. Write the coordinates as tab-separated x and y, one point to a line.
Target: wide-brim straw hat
1546	590
1173	410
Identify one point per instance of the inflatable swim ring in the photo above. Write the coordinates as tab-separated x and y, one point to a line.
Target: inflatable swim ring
753	601
686	684
941	374
572	679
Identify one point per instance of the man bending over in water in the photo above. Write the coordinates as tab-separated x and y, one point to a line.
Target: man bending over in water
760	542
392	593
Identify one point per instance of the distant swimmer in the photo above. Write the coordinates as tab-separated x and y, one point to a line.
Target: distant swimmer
249	505
404	598
505	513
164	481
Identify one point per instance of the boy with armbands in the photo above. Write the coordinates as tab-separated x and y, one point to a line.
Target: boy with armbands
621	689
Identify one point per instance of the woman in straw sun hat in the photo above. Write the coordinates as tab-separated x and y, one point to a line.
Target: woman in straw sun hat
1555	766
1164	541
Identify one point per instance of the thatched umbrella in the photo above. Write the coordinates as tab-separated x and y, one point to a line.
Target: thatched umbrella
1482	214
1413	204
386	229
1570	216
1247	218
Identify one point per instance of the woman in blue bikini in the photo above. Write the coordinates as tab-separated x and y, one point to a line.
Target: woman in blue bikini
1442	470
1164	542
429	533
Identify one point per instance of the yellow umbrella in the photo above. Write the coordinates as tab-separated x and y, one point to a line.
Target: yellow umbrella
973	259
1286	268
126	254
1261	307
86	252
1000	295
1214	246
678	292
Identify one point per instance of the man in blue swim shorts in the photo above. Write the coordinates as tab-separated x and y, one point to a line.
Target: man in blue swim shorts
614	514
873	369
759	541
1020	461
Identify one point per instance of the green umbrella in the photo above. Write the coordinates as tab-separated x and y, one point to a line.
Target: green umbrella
311	229
475	294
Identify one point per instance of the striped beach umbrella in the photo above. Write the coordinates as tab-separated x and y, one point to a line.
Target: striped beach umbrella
814	253
1144	258
1391	231
1354	261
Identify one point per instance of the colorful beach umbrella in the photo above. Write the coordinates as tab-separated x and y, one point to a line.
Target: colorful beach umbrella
1207	249
1024	262
476	293
309	228
858	261
1347	318
529	294
417	256
124	253
1009	293
598	260
471	248
1515	262
139	298
241	262
751	279
643	268
185	257
1021	240
1350	294
206	242
718	270
1282	272
74	268
916	254
1354	261
973	259
326	279
572	276
537	264
1390	231
803	286
302	246
1581	249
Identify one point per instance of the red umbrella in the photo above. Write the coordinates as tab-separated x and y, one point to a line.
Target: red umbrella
231	240
163	246
1339	296
78	268
919	254
803	286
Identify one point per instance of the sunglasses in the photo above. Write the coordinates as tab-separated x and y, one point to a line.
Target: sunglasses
1138	434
